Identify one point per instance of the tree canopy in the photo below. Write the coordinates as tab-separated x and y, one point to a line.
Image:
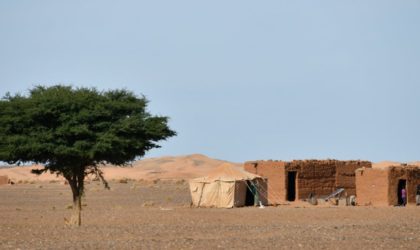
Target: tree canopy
72	131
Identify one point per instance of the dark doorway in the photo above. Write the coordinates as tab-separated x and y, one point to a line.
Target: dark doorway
250	194
402	184
291	185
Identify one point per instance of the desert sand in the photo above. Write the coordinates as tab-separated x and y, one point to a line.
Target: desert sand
150	211
157	215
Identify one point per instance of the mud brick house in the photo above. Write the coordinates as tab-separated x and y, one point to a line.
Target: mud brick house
381	185
289	181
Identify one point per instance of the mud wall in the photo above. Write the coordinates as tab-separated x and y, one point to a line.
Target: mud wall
4	179
324	177
274	172
317	177
345	176
411	174
413	181
372	186
320	177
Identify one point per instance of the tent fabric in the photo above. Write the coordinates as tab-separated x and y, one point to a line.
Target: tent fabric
227	172
217	194
225	187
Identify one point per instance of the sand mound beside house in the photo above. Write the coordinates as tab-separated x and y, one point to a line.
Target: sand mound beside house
414	163
169	167
385	164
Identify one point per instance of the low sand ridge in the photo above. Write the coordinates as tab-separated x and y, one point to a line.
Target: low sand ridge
169	167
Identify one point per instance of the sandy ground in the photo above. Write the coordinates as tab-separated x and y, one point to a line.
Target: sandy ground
147	215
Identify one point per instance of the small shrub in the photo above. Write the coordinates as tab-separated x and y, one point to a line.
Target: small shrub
124	180
180	182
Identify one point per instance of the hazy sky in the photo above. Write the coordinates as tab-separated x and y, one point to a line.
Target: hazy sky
241	80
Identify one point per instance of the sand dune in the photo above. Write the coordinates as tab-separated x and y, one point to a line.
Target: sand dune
386	164
169	167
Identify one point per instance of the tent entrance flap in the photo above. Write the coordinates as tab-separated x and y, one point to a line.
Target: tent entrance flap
251	198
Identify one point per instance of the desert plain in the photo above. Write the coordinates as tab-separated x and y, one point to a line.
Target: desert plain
147	212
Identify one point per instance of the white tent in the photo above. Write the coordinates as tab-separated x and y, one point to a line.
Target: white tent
228	186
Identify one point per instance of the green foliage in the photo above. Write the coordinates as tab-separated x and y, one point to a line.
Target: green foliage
73	130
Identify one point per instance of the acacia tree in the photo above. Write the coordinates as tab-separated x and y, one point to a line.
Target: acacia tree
73	131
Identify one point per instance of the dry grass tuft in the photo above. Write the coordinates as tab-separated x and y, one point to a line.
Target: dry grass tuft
148	204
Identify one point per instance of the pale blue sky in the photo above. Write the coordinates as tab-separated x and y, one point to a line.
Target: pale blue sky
241	80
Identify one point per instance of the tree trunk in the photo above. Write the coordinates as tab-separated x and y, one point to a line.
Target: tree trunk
78	210
81	187
76	183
